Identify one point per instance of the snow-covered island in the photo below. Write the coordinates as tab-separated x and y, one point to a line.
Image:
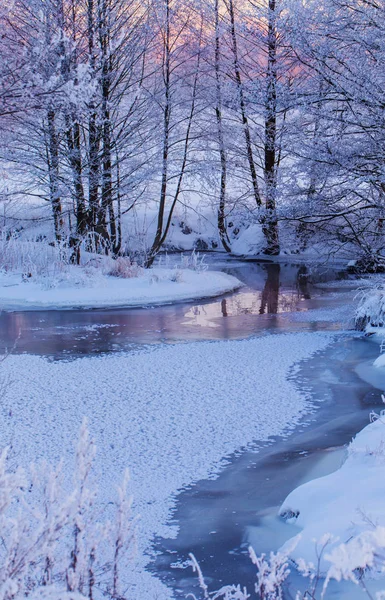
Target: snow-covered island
75	288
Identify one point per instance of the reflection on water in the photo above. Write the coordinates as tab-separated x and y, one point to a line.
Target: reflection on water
303	282
269	300
269	297
270	290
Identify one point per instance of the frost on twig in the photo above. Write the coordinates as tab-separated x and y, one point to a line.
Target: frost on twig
272	572
53	543
227	592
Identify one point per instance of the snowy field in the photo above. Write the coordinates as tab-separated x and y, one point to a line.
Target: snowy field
170	413
73	289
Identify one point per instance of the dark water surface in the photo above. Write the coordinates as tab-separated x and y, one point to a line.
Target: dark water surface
270	292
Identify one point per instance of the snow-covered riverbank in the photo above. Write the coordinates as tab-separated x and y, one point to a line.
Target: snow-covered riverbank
170	413
73	289
342	505
341	517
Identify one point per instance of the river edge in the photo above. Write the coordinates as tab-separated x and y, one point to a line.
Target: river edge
316	448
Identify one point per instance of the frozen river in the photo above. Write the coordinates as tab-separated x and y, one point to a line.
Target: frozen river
219	518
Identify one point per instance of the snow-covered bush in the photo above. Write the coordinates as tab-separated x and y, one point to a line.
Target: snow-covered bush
51	264
227	592
371	309
123	267
54	543
32	258
193	261
271	575
348	562
176	276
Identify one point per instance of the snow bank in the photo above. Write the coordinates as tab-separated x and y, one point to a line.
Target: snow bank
344	505
74	290
371	309
380	361
250	241
171	413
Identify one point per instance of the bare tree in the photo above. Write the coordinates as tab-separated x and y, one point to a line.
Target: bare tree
177	132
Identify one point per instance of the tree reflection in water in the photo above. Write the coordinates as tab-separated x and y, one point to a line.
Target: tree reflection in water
271	299
270	293
269	290
303	283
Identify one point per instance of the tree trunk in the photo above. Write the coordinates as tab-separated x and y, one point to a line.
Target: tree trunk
53	168
222	151
166	140
93	130
106	192
270	293
242	106
108	234
165	229
75	159
270	223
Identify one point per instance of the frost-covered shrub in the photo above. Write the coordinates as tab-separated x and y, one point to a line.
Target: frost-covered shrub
228	592
176	276
72	277
164	275
54	543
32	258
271	574
193	261
371	309
51	264
124	268
348	562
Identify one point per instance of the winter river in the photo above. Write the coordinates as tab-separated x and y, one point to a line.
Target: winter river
271	292
218	518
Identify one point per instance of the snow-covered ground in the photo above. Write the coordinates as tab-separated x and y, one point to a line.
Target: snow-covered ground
344	506
171	413
192	227
380	361
73	289
340	517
